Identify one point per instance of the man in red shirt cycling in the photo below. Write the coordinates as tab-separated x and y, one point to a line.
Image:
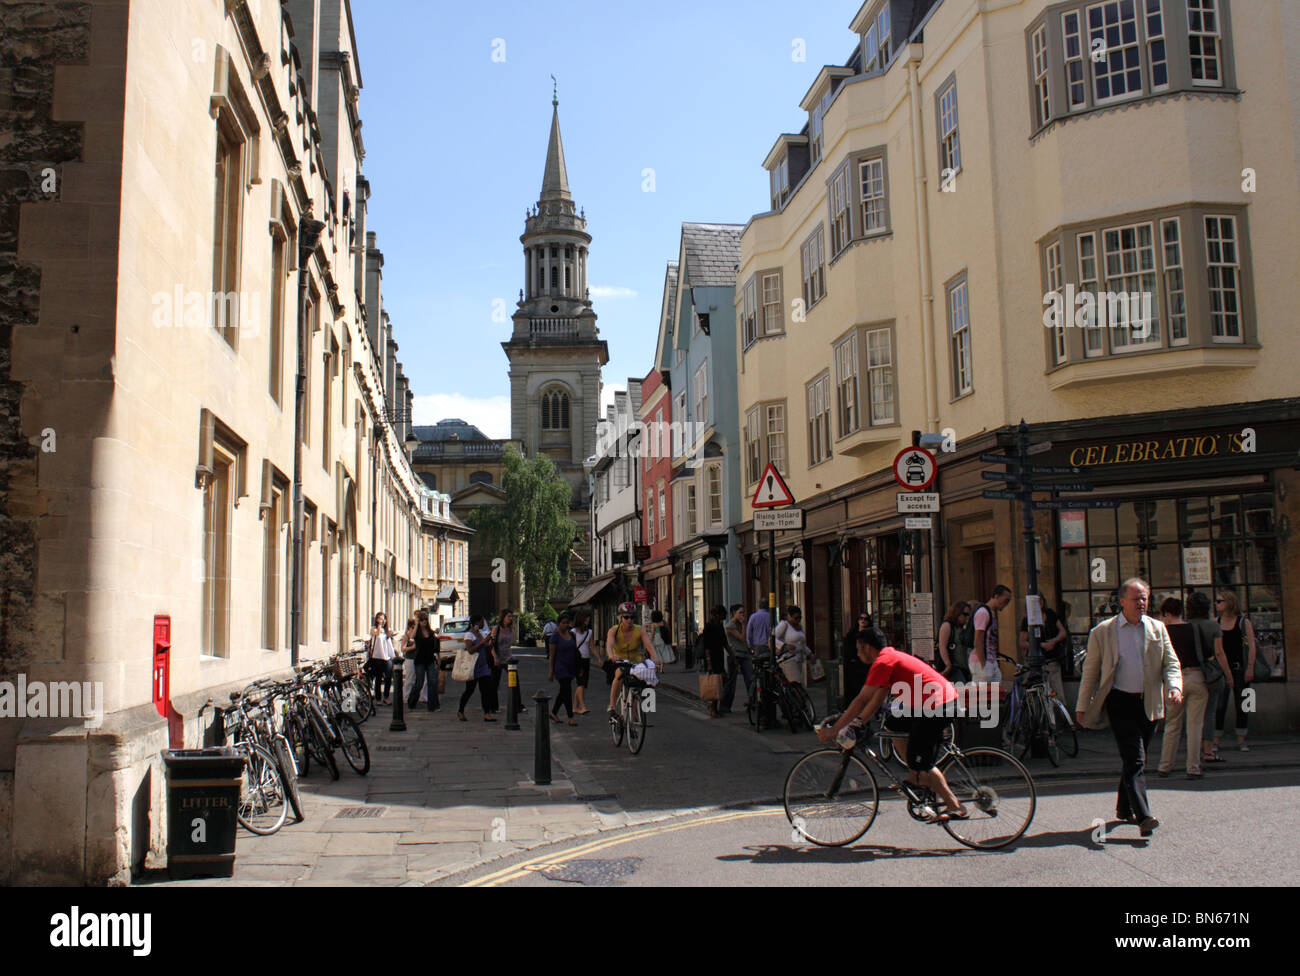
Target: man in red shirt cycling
928	700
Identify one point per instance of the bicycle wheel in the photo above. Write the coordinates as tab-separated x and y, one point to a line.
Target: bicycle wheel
1066	736
831	797
616	721
318	741
288	773
1022	732
354	746
804	706
295	731
998	794
635	724
365	701
1047	729
262	806
751	710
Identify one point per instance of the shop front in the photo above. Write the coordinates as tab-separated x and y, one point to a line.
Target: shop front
1200	502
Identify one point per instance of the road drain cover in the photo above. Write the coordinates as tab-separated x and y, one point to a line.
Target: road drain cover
593	871
360	813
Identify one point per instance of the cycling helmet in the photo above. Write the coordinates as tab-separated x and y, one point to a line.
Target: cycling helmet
627	608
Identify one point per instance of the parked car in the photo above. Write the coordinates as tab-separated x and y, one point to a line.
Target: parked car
451	637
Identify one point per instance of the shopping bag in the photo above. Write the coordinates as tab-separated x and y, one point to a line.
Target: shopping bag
816	670
711	687
463	669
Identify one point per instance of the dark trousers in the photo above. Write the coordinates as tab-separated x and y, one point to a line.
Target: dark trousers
736	667
420	672
381	673
1132	728
565	697
496	688
1238	695
487	694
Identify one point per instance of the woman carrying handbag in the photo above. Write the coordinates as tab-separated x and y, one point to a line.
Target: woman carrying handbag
714	643
381	657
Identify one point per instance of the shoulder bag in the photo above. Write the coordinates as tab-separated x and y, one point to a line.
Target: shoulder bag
1262	670
1211	670
463	667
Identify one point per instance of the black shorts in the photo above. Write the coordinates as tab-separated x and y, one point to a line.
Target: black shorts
584	671
924	738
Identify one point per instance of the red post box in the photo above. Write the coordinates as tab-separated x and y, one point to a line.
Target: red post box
162	649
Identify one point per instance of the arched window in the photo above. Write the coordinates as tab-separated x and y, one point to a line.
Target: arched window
480	478
555	410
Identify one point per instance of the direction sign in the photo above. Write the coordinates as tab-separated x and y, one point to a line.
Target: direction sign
772	491
990	458
1033	469
915	468
1064	486
1069	503
1042	448
917	523
918	501
778	520
1007	476
1014	496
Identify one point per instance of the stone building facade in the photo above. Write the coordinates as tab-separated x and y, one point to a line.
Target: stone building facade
177	176
555	349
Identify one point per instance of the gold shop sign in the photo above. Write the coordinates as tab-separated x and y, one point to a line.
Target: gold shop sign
1171	447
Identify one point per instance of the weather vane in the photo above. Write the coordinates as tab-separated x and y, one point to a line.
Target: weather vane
555	92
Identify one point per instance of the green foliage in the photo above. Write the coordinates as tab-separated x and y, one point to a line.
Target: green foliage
547	614
532	529
527	626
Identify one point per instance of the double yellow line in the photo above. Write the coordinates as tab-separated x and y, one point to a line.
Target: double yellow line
517	871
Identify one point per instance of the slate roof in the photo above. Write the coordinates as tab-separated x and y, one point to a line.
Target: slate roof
445	430
712	253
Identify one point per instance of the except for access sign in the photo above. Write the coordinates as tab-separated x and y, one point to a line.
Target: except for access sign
915	468
778	520
918	501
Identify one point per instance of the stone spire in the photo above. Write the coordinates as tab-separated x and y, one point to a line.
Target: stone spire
555	183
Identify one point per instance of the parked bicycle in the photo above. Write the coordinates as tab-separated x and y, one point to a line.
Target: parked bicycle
629	719
774	693
263	804
1036	713
831	797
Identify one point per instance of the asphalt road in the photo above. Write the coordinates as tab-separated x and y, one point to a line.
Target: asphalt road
692	787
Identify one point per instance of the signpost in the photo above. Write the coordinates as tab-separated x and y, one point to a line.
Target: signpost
772	493
778	520
918	501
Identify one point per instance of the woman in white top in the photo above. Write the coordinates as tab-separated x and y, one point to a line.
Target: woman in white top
582	637
789	637
381	656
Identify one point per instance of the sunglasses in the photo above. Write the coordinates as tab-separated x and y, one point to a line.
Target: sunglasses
626	616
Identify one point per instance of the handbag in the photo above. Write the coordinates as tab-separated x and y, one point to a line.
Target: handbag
816	671
1211	670
1263	671
710	687
463	668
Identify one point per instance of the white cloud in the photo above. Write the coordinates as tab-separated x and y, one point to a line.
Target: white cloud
489	414
611	291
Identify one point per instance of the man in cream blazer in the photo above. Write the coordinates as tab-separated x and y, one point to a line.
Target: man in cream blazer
1130	666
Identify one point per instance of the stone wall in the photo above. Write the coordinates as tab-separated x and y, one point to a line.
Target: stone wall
34	38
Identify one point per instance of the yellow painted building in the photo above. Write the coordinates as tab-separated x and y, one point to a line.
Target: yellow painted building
970	162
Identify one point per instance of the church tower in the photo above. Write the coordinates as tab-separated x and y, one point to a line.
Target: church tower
555	349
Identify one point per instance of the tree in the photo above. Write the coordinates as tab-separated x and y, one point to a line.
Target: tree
532	529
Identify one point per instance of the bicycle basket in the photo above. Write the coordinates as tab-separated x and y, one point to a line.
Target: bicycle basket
346	666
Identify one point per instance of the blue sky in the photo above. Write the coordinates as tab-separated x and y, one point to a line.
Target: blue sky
456	143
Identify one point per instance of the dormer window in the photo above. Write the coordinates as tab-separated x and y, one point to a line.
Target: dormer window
876	42
815	126
781	183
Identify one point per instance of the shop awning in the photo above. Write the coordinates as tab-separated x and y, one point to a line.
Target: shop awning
591	589
447	594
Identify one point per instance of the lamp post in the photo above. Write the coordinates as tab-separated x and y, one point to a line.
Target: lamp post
309	231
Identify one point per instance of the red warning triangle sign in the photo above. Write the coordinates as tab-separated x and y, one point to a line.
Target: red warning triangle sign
772	491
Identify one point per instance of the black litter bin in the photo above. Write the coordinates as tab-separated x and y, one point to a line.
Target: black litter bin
202	798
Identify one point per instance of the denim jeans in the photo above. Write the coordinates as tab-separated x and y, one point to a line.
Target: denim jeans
381	673
419	673
736	666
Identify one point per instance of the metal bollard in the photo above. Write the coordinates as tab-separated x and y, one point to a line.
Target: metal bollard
512	697
399	700
542	742
834	686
